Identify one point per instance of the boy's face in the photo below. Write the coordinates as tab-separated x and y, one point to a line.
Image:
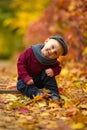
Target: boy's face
52	49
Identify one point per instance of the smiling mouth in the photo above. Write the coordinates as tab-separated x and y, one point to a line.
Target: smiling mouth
48	53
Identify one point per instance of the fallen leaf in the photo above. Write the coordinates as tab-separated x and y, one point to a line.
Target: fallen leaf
23	110
12	87
77	126
64	72
45	114
60	89
63	97
42	104
72	111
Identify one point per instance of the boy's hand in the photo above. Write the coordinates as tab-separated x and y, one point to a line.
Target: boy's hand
49	72
30	82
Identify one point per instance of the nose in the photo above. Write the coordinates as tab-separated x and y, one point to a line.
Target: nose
53	50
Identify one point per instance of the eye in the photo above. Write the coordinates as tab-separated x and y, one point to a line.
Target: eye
52	47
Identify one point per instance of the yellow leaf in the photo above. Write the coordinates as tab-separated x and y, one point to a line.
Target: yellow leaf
12	97
78	125
16	105
84	112
44	114
42	104
67	104
85	90
72	6
63	97
64	72
83	106
38	98
53	105
85	51
52	125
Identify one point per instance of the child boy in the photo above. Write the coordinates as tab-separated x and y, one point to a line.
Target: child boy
38	65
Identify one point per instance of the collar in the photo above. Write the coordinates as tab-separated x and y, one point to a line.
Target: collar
40	57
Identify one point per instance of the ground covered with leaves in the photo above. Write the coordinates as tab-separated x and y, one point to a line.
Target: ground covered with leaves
70	113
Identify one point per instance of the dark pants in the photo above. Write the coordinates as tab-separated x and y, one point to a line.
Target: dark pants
40	81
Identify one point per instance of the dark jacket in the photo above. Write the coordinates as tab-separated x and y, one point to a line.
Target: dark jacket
28	66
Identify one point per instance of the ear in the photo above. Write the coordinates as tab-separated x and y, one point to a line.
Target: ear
46	40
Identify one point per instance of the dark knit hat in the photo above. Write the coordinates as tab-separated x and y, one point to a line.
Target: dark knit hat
62	42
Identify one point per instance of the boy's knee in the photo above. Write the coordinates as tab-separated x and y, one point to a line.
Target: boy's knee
44	75
20	84
20	81
47	78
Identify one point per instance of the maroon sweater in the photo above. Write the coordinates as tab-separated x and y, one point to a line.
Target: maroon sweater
28	66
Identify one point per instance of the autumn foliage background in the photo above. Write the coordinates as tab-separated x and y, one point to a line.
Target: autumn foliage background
24	23
27	22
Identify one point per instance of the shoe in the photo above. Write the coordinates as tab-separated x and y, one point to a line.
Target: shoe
54	97
39	92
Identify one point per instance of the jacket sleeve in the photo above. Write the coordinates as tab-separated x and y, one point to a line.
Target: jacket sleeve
22	66
56	68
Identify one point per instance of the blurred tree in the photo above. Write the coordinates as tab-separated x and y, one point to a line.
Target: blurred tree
15	16
63	17
24	12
